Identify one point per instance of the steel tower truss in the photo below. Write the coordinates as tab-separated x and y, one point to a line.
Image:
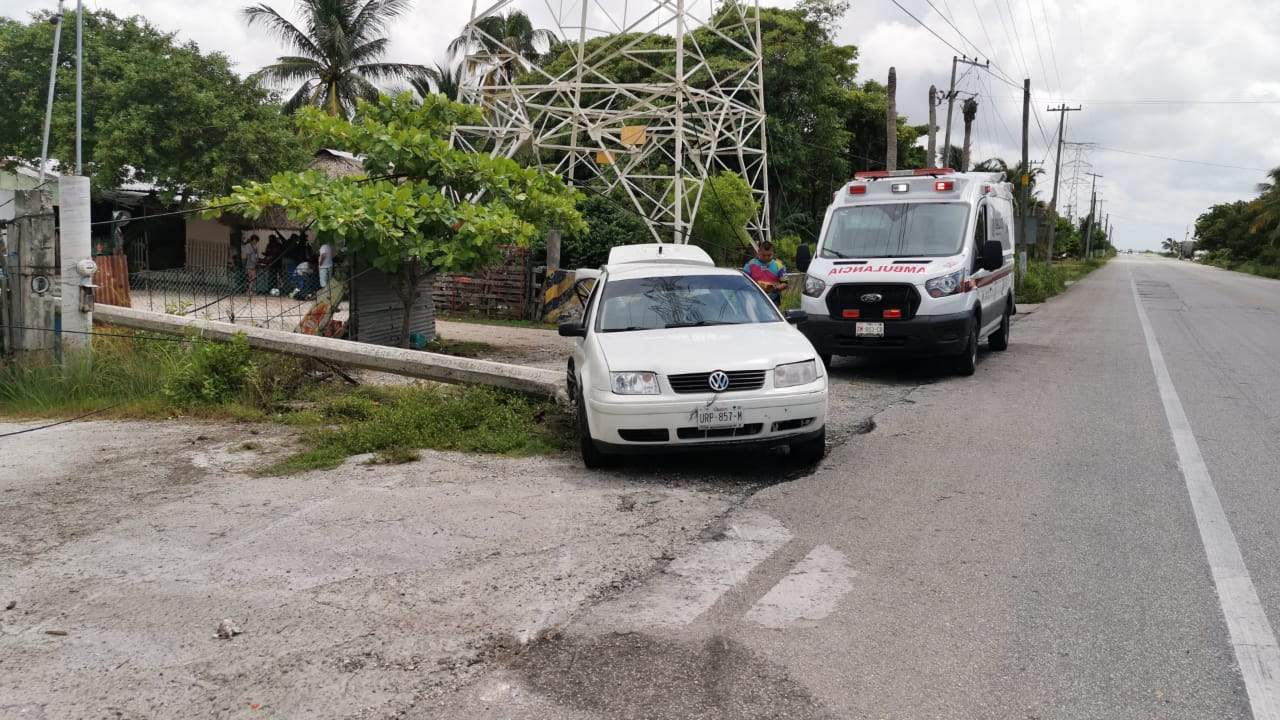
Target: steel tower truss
655	141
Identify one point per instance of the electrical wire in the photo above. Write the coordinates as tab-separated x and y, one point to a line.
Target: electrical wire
926	27
1181	160
62	422
1053	53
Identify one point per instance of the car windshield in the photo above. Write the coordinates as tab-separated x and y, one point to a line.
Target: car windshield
898	230
653	303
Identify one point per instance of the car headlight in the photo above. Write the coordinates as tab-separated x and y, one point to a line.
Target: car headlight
945	285
792	374
634	383
813	286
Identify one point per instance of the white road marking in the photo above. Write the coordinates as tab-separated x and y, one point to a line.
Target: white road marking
810	591
690	585
1251	635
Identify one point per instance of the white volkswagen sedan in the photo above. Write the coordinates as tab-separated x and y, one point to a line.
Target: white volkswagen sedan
676	353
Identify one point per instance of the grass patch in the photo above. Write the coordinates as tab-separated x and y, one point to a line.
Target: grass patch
460	348
464	418
139	375
1043	282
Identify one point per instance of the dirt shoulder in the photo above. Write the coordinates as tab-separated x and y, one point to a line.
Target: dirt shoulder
358	591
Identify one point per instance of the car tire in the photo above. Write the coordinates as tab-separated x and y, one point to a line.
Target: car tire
591	455
999	340
810	452
967	361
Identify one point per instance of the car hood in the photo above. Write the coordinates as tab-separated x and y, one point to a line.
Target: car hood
754	346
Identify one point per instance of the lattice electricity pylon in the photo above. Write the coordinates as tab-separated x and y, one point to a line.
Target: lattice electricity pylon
657	139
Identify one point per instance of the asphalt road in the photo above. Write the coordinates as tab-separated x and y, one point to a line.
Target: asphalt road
1087	528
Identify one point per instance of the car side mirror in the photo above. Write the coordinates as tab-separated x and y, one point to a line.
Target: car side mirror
992	255
572	329
795	316
803	258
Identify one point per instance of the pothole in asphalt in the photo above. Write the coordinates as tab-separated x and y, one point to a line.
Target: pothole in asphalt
637	676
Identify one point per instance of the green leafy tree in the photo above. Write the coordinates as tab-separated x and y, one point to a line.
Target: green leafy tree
609	222
1226	227
338	51
422	205
154	110
510	40
721	226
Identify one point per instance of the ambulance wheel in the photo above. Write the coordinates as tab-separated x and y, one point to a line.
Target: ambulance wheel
591	455
967	361
999	340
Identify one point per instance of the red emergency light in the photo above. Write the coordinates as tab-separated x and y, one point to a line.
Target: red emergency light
944	186
857	189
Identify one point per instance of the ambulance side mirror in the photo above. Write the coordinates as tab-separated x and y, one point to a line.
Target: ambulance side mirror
802	258
992	255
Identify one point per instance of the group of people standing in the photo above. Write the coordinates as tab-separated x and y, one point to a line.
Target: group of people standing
283	265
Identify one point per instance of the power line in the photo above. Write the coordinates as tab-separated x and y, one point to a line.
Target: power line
976	49
1044	70
1180	160
62	422
1053	53
931	30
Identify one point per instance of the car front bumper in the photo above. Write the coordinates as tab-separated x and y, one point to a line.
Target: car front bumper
631	424
921	336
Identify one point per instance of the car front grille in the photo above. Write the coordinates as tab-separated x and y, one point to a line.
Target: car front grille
738	380
850	297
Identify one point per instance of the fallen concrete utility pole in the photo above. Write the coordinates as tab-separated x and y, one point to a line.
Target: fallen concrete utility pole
412	363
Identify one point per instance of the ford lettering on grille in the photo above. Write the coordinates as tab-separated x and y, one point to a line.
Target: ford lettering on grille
718	381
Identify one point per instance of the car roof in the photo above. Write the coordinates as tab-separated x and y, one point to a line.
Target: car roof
644	270
659	253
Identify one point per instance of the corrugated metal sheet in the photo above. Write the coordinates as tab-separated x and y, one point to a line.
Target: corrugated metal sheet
377	312
112	280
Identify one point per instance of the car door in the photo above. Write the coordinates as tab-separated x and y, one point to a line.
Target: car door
984	286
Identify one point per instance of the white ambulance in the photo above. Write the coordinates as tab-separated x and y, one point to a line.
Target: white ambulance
916	262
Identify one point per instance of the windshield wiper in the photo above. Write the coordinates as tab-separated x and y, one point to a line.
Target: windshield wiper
834	253
700	323
626	329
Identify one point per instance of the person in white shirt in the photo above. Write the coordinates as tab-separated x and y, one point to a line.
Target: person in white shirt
326	264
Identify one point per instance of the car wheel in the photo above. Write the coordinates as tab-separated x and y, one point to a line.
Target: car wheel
809	452
967	361
999	340
591	455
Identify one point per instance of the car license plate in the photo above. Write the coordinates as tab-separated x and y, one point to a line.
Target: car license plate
719	416
869	329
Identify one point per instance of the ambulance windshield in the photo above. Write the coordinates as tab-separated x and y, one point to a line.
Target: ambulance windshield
899	230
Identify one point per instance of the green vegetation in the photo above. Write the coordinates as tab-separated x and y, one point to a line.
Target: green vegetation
155	110
393	423
1241	235
1043	281
141	375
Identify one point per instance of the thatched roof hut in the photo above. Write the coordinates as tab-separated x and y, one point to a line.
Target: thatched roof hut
333	163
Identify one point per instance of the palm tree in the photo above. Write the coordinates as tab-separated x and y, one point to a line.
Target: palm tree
510	39
337	52
1266	208
1171	246
442	79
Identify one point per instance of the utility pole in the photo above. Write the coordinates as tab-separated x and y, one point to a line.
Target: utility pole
1057	170
891	122
1024	181
1093	198
932	161
951	102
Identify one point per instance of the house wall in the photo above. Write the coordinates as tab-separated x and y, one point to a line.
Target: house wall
208	244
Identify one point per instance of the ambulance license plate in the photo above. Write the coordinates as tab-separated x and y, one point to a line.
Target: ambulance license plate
869	329
719	416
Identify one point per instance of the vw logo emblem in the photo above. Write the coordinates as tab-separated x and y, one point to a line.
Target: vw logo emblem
872	297
718	380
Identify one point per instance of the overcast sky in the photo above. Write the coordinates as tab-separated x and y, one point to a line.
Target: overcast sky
1180	99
